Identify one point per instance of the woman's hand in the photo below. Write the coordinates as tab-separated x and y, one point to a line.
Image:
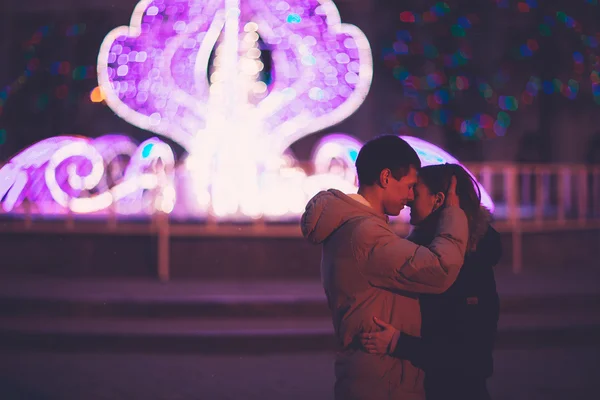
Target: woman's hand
380	342
451	196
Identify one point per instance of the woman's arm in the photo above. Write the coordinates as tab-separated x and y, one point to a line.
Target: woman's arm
454	354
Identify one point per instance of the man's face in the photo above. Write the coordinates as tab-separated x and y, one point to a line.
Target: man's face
399	193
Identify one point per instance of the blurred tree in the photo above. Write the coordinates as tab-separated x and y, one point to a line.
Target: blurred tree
472	67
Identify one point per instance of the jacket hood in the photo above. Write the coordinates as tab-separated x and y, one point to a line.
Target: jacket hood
329	210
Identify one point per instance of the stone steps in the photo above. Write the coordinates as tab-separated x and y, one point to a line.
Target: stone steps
243	307
145	298
258	335
71	314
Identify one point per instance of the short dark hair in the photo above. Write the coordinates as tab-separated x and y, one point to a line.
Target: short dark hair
385	151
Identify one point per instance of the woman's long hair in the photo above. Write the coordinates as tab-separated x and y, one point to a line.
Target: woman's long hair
437	179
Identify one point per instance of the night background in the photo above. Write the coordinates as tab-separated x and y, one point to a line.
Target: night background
114	307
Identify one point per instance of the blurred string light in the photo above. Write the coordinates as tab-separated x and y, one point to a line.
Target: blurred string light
32	65
97	95
440	89
72	173
569	88
56	68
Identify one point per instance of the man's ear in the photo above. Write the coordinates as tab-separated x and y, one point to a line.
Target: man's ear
384	177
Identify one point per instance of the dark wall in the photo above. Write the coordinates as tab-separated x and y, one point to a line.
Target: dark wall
239	258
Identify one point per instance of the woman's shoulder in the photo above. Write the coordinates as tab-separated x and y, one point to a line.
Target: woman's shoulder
488	249
491	238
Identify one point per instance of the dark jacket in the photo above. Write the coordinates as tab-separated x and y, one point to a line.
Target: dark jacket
459	326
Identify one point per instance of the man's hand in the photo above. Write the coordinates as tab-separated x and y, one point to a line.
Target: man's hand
380	342
451	196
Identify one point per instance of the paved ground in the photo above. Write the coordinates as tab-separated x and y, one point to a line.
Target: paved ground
541	374
532	372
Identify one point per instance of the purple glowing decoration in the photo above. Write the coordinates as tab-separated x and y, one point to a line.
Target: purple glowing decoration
233	82
195	72
155	73
337	154
70	172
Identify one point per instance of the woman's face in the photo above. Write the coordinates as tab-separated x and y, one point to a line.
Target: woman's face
423	204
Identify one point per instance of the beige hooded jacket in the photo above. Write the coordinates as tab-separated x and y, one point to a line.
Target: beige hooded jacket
366	271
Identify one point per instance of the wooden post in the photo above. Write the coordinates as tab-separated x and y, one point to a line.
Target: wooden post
562	194
517	250
112	216
526	175
582	197
540	194
510	192
259	225
28	218
70	220
511	195
596	193
163	246
211	222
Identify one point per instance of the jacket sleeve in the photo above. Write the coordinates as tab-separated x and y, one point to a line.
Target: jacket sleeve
409	348
395	263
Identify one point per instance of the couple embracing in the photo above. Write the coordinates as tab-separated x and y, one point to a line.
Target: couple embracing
414	318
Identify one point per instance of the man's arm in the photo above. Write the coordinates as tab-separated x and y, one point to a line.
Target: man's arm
398	264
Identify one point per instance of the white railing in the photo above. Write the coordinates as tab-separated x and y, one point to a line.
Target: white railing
542	193
528	198
541	197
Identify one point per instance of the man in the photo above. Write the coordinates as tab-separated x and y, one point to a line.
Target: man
367	270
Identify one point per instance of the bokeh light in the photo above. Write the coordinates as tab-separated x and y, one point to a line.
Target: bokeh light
432	93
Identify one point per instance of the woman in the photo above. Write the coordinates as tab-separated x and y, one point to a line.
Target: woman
459	326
